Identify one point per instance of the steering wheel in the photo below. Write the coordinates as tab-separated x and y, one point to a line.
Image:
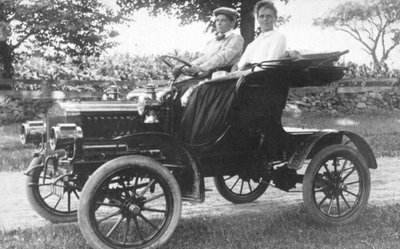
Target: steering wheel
166	59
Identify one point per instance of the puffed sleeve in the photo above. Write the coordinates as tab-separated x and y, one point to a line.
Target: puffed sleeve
232	48
277	47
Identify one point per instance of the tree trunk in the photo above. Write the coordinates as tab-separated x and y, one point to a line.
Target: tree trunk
6	60
377	64
247	27
5	49
225	3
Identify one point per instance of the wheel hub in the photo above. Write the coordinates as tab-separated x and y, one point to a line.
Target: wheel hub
133	208
334	186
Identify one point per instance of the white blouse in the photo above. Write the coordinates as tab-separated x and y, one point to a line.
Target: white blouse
267	46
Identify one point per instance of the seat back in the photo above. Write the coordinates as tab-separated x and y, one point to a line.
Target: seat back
260	98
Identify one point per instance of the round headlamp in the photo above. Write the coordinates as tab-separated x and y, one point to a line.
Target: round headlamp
63	135
32	132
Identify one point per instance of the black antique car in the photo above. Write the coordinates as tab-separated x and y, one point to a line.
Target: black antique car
122	168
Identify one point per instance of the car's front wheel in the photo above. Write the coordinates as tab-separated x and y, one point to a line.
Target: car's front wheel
129	202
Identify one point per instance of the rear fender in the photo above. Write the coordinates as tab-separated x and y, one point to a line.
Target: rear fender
316	142
178	156
311	145
363	147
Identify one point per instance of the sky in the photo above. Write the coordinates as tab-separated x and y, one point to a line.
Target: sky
163	35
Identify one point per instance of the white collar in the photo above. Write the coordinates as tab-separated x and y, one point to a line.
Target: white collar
229	33
267	33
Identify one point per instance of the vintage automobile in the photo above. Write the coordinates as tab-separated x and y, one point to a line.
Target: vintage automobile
122	168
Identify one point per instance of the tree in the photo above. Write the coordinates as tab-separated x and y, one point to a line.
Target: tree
189	11
66	27
375	24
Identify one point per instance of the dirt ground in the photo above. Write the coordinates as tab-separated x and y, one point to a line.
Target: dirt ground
15	211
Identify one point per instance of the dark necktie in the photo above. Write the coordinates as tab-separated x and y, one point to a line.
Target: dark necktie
220	37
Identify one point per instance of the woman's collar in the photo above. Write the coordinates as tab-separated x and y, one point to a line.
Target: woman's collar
267	33
230	32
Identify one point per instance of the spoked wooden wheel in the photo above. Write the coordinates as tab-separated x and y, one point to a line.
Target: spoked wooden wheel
130	202
56	202
336	185
239	189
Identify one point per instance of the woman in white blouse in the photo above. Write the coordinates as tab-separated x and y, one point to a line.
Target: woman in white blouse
270	44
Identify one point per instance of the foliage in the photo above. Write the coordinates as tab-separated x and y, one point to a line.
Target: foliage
355	71
83	27
375	24
198	10
186	11
115	67
73	27
126	67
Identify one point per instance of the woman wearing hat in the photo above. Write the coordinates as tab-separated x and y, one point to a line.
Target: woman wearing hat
270	44
225	48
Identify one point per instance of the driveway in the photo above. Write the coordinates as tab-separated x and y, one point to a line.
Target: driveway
15	211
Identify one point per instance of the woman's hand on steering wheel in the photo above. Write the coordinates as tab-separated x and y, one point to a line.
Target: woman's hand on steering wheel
196	69
191	71
177	70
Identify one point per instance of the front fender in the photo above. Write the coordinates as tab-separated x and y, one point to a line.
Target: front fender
190	181
36	162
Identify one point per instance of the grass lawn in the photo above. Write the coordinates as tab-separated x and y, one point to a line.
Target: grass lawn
14	156
382	132
378	227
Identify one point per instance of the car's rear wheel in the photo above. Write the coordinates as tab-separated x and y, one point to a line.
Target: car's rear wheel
239	189
336	185
56	202
56	206
130	202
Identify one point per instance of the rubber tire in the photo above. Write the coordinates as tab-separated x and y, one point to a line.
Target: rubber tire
108	169
37	202
225	192
312	169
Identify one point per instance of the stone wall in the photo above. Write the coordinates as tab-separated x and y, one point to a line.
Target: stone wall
15	110
324	100
345	102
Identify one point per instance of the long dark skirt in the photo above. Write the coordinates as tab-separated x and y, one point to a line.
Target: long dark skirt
204	119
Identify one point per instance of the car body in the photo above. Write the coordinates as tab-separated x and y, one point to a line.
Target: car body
124	167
